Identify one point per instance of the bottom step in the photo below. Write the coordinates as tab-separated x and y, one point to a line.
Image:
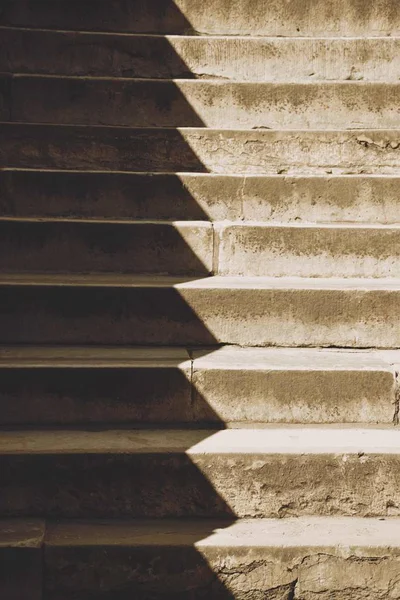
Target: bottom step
305	559
271	559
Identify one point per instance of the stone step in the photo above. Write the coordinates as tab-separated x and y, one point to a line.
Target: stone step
245	17
215	104
21	559
305	558
247	473
199	248
198	196
124	309
178	248
260	249
227	386
199	150
301	385
187	57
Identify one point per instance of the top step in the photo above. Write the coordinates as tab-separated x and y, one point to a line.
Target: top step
243	17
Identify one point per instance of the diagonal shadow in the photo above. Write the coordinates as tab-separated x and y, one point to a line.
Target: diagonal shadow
93	485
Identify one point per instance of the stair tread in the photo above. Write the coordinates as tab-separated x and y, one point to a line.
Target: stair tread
269	440
204	224
202	38
226	357
299	532
21	533
96	356
212	282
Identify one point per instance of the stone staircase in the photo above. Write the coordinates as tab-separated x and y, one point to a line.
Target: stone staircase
199	300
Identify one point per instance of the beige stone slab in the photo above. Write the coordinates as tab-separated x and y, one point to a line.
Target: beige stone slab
270	472
171	57
92	385
178	248
246	17
113	196
122	309
260	249
255	385
275	440
305	557
265	152
92	356
215	104
343	535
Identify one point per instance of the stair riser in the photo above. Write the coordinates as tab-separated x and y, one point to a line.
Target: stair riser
308	252
210	485
188	249
196	150
84	247
200	316
199	197
220	572
195	104
99	395
274	59
164	395
247	17
285	396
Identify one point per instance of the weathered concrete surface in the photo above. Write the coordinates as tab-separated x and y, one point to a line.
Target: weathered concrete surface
83	385
137	247
200	150
112	309
308	250
246	17
218	104
187	57
21	559
270	472
197	196
305	559
263	385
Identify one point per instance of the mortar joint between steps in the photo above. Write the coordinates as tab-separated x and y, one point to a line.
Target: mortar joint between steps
396	419
215	249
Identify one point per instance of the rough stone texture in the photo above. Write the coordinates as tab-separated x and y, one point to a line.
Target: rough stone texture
246	17
261	385
199	150
106	309
270	472
308	250
218	104
181	196
195	57
95	385
305	559
21	559
137	247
